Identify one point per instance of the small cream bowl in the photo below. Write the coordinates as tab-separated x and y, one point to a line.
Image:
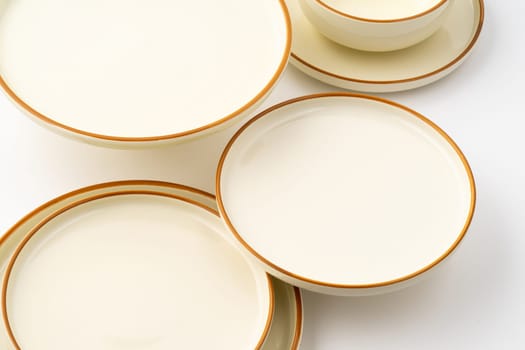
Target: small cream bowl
376	25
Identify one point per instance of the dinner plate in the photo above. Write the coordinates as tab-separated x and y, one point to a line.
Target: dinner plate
345	194
398	70
129	267
140	71
285	330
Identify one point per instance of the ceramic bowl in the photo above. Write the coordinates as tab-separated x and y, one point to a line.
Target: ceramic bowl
379	25
144	74
380	72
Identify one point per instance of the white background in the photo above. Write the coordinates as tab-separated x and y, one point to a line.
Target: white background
477	301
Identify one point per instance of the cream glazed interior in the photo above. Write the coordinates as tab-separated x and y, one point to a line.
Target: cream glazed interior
345	194
121	279
141	73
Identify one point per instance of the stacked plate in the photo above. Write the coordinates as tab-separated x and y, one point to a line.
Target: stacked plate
138	264
337	193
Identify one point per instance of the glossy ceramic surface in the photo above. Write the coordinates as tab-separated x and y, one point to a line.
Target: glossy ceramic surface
287	324
398	70
140	72
285	331
42	284
377	25
345	194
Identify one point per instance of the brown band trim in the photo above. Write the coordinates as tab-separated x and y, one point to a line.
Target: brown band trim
100	187
299	319
52	122
113	193
411	79
275	267
393	20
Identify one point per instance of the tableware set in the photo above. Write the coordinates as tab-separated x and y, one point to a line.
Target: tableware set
338	193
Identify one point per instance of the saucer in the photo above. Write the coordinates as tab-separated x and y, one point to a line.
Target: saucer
286	327
96	273
345	194
141	72
392	71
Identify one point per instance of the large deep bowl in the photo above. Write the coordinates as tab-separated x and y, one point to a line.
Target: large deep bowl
134	72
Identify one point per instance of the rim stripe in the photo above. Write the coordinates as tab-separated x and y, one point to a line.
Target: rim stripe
272	265
298	320
393	20
100	186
